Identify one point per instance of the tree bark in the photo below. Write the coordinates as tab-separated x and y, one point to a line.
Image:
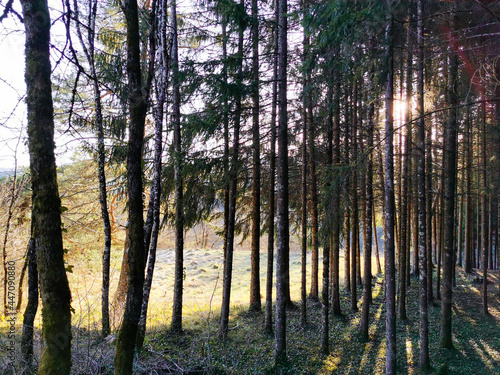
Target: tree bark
255	301
156	190
89	52
282	261
124	356
450	187
233	185
268	324
336	204
46	204
390	272
176	324
424	362
367	222
31	308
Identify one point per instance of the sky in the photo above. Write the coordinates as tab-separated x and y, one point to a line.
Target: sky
13	117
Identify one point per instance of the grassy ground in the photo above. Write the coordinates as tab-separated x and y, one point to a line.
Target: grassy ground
248	350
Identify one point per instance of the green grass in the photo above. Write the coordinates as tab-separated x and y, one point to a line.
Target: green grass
248	350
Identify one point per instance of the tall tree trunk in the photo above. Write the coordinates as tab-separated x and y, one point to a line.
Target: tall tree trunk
484	216
367	222
424	362
176	324
31	307
124	356
255	302
428	217
335	148
282	260
101	156
14	192
314	200
469	211
375	239
303	287
390	271
268	324
450	187
46	204
404	207
355	213
164	56
233	181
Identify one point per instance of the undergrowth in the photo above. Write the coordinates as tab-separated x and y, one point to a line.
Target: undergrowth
248	350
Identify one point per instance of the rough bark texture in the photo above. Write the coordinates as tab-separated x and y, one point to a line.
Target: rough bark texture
89	51
124	356
421	195
282	239
390	271
303	270
268	324
314	202
368	238
336	205
450	186
405	207
151	236
31	307
255	301
46	204
176	324
233	182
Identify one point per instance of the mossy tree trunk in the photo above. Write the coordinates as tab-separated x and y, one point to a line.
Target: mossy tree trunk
31	307
137	102
179	204
46	204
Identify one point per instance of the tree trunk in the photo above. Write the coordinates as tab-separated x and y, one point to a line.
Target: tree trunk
405	207
233	183
390	271
282	260
367	222
424	362
450	187
355	215
335	148
156	189
46	204
124	356
255	302
314	201
176	324
303	287
31	307
101	157
268	324
484	216
469	211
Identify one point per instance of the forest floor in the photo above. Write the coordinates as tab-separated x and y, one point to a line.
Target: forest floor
248	350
